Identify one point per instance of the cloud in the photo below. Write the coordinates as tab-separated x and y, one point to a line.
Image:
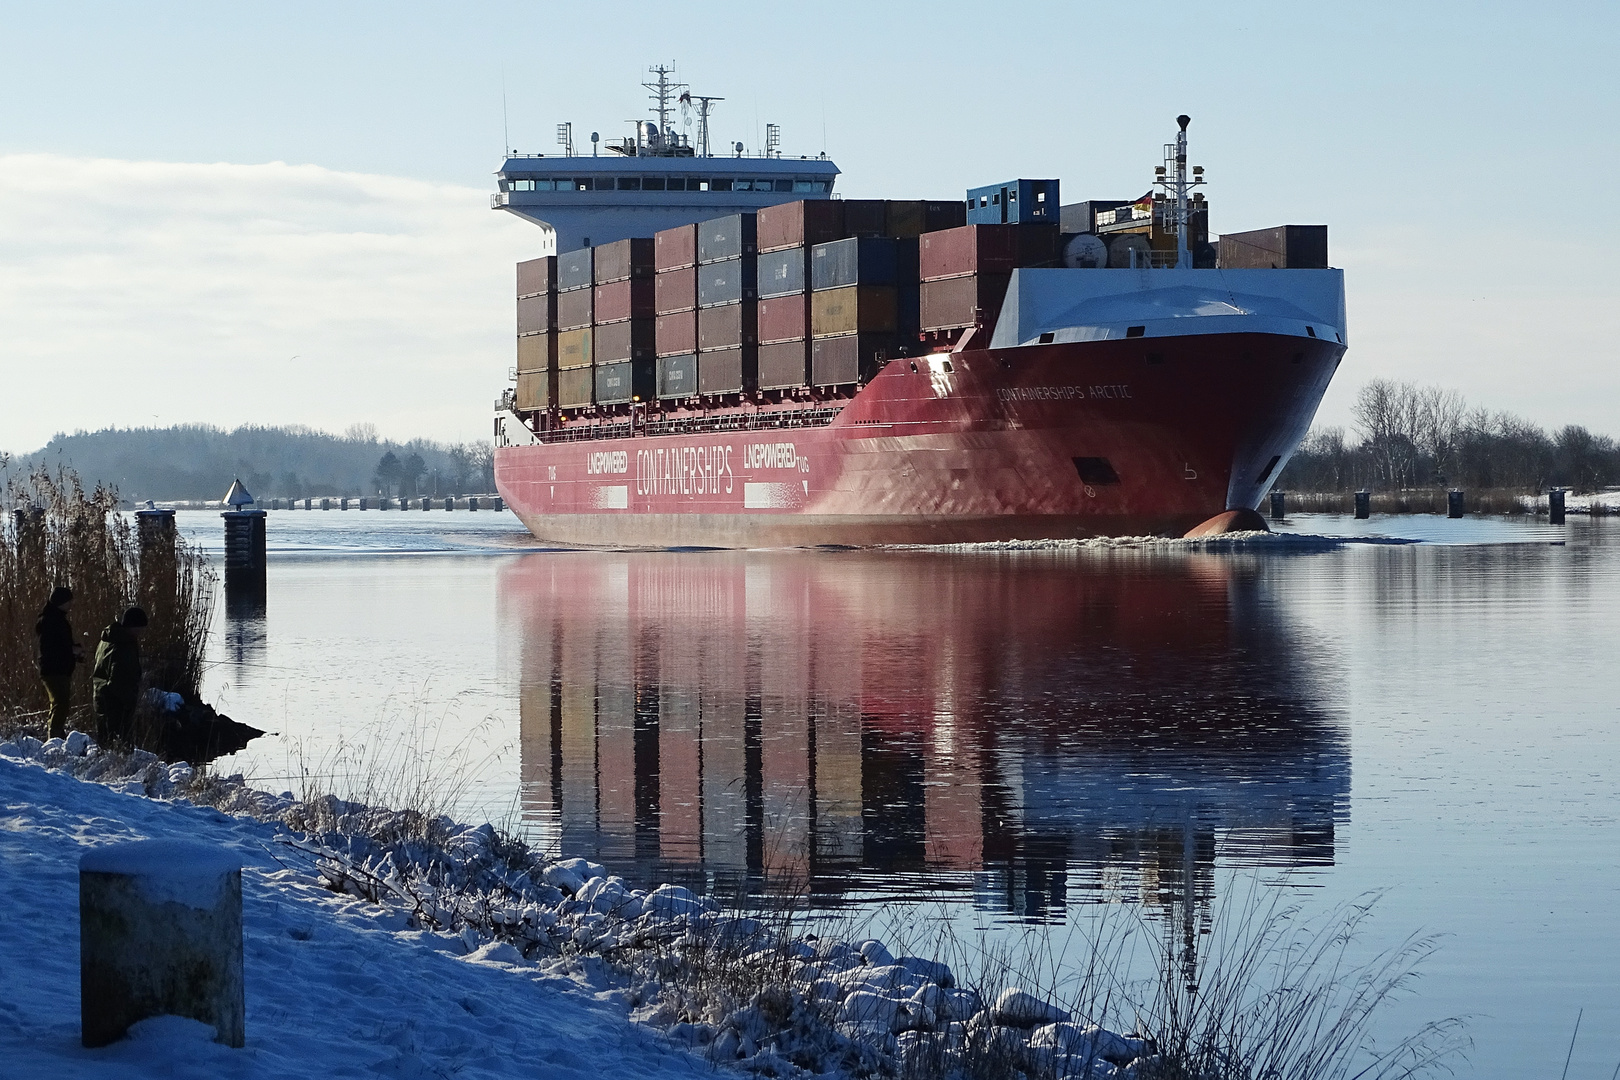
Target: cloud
134	293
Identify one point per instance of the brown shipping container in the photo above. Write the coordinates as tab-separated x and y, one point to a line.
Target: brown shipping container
630	339
972	249
574	348
675	290
631	258
951	214
865	217
1284	247
537	314
536	352
1038	245
783	318
784	364
728	326
537	276
676	333
675	249
574	309
950	303
904	217
535	390
728	371
575	386
863	308
839	361
800	224
631	298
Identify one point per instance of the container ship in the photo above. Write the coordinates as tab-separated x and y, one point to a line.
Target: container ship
719	351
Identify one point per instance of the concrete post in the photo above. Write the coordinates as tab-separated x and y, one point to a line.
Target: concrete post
1363	504
245	559
472	502
1279	505
449	502
1456	504
1555	506
427	503
500	504
160	933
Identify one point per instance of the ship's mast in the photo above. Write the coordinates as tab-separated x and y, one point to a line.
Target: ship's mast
704	105
662	92
1178	182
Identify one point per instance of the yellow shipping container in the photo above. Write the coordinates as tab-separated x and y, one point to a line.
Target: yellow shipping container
536	352
535	390
574	348
855	309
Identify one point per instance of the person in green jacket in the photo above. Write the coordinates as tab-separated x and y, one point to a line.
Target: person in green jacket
116	680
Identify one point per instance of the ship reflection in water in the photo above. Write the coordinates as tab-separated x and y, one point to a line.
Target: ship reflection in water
1043	728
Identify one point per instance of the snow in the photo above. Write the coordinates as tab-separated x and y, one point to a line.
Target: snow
167	871
370	949
335	986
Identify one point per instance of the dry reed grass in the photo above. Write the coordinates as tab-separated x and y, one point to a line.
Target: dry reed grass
55	532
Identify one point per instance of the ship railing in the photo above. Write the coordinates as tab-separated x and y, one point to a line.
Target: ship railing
498	200
693	425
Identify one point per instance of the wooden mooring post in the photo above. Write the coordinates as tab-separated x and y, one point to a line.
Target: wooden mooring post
1363	505
1279	505
1555	506
1456	503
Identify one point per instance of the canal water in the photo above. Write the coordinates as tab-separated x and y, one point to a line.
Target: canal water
1007	740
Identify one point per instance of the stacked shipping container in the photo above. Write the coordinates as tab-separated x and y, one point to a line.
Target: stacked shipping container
965	270
727	301
675	300
536	334
576	381
623	320
786	234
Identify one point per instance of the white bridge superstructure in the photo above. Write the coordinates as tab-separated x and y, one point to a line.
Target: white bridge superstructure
655	180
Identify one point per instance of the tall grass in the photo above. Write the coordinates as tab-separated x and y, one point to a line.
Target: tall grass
1412	501
54	532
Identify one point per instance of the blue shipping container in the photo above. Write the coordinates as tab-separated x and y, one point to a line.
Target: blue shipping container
1017	202
726	282
860	260
783	273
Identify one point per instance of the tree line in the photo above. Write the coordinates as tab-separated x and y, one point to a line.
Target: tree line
199	461
1408	436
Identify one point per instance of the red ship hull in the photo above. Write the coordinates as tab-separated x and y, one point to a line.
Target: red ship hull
1077	439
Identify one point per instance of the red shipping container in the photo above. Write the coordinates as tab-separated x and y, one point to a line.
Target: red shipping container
675	249
628	339
952	303
629	258
784	364
728	371
972	249
783	318
675	290
677	333
800	224
537	313
537	276
574	309
728	326
631	298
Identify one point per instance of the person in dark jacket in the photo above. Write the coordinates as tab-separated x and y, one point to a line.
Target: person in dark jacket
59	654
116	680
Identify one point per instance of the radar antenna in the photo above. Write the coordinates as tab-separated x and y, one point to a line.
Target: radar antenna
773	140
1176	181
662	92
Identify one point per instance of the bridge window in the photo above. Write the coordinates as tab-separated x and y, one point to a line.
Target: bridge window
582	183
694	184
783	185
719	185
604	183
675	183
629	183
804	185
652	183
743	185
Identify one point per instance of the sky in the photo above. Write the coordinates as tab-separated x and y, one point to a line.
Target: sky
279	213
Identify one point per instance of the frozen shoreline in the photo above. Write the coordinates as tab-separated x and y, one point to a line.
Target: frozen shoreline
423	959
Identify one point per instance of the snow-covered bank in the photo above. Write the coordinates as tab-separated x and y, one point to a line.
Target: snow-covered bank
336	986
375	945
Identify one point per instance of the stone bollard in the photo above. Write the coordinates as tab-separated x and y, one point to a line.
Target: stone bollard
326	504
245	560
160	933
500	504
449	502
472	502
1555	506
1456	504
363	502
427	503
1363	504
307	502
1279	505
343	503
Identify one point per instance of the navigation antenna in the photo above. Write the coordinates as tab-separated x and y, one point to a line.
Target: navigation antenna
773	140
1173	177
565	138
662	91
